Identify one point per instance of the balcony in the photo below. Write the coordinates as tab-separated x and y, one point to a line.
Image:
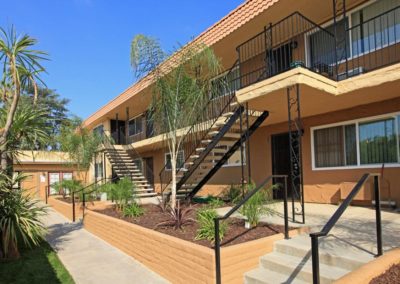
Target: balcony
296	41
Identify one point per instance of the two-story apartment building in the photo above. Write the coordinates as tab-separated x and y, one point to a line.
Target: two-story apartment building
314	92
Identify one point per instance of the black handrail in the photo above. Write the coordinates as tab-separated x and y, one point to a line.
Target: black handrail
336	216
83	190
217	246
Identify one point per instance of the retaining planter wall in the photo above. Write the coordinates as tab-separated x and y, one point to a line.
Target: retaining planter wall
177	260
65	208
372	269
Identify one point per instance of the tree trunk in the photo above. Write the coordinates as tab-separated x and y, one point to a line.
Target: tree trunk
12	250
10	117
173	182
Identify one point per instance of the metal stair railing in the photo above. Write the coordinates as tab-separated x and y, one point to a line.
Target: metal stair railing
336	216
216	106
113	154
243	138
217	245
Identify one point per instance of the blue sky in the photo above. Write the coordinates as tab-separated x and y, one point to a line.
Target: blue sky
88	40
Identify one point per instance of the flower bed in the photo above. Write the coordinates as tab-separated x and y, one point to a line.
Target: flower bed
179	260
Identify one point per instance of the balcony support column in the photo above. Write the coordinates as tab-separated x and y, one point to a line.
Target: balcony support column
296	131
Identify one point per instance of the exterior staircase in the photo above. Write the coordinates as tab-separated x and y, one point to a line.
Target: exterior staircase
124	166
290	261
220	142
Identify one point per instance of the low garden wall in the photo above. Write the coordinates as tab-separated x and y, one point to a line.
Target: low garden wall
65	208
177	260
372	269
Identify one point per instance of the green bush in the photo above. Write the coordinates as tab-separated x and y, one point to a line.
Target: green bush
233	194
215	203
20	217
132	210
122	192
205	218
258	205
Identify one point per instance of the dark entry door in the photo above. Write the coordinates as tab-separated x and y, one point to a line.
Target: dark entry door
149	170
118	131
281	161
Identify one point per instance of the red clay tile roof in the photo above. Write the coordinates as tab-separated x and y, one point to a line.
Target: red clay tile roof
228	24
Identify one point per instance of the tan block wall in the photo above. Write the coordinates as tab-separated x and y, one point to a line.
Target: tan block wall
177	260
64	208
369	271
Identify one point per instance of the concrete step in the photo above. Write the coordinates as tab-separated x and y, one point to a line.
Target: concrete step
287	264
227	114
331	251
143	195
266	276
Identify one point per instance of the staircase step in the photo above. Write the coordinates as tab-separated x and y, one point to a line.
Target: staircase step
227	114
287	264
266	276
150	194
331	251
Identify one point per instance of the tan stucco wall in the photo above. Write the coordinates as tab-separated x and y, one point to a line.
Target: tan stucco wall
37	176
323	186
319	186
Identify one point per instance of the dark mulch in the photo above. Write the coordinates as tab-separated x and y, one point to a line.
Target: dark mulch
392	276
236	233
67	199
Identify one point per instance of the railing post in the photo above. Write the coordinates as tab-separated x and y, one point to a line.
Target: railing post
217	252
315	258
83	205
378	216
73	206
46	194
285	209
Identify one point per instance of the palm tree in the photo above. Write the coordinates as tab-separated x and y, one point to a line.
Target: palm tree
21	66
180	89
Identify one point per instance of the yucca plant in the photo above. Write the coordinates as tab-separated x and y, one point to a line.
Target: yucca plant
177	217
19	217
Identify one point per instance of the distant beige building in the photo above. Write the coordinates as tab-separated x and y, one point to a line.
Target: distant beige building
42	169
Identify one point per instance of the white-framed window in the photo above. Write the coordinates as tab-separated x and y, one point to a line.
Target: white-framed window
180	163
135	125
362	143
371	26
371	30
235	160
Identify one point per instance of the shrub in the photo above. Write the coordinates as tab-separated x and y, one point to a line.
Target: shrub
19	217
178	217
122	192
215	203
132	210
233	194
257	205
205	218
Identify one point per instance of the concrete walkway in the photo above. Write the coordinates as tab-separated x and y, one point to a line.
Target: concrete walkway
90	259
